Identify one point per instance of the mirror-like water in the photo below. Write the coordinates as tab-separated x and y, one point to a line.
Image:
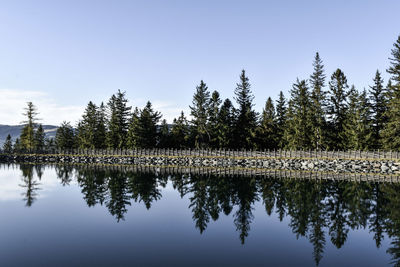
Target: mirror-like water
78	216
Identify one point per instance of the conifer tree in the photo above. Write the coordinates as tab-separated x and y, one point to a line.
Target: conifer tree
378	102
299	125
39	138
281	110
318	104
357	130
180	132
133	138
118	124
101	128
226	122
391	131
164	135
148	126
199	111
246	121
87	127
7	146
337	109
213	124
65	136
266	132
27	138
17	145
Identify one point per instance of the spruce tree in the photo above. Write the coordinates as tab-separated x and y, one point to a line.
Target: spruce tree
118	124
17	145
281	110
27	138
87	127
39	138
246	121
226	122
318	104
391	131
299	124
180	132
133	138
101	127
378	108
164	135
213	124
357	126
7	146
199	112
337	110
65	136
148	121
266	132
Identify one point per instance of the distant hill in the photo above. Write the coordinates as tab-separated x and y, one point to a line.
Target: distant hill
15	131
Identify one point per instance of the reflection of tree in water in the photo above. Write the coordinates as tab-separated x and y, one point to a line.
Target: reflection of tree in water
28	182
64	173
143	187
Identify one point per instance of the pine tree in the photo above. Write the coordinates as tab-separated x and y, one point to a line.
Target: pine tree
7	146
101	128
299	126
226	122
27	138
213	124
246	121
148	127
357	126
337	110
133	138
281	110
17	145
391	131
378	107
318	104
65	136
180	132
39	138
118	124
266	132
199	112
87	127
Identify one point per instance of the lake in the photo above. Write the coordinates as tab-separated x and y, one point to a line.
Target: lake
63	215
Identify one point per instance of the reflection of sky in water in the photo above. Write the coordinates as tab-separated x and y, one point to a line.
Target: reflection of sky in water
60	229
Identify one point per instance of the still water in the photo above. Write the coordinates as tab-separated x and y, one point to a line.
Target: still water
95	216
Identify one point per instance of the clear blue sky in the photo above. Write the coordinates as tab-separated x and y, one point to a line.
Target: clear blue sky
65	53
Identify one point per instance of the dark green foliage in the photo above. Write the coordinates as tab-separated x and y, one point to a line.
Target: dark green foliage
378	99
27	138
226	122
199	111
7	146
281	110
298	126
147	128
246	121
337	109
39	138
164	135
394	68
318	105
91	129
180	132
17	145
65	136
266	132
118	124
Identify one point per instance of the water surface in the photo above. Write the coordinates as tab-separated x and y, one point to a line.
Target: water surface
62	215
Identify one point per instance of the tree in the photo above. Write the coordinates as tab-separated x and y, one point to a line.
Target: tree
17	145
391	131
357	132
118	124
7	146
164	135
266	132
337	110
101	128
318	105
65	136
199	112
27	138
378	108
87	127
299	127
133	138
281	110
226	122
246	121
180	132
148	127
39	138
213	124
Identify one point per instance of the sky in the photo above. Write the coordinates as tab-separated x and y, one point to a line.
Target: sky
62	54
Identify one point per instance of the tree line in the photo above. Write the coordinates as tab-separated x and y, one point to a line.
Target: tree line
318	114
